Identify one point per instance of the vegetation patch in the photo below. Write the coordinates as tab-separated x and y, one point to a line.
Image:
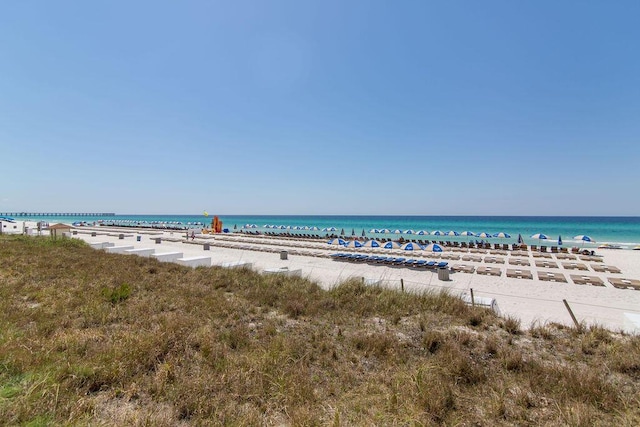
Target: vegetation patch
88	338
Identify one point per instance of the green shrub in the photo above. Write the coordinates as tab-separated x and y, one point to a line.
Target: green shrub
117	294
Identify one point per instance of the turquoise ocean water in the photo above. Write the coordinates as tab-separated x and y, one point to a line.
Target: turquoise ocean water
623	231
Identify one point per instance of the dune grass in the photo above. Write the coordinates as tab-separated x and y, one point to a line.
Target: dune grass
103	339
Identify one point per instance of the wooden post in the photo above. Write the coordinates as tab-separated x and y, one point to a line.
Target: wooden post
402	285
473	301
575	321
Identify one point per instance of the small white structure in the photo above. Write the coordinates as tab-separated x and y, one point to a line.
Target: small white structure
632	322
237	264
59	230
101	245
484	302
196	261
145	252
168	256
283	270
118	249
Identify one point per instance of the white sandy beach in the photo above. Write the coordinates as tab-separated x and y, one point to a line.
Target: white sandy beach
530	300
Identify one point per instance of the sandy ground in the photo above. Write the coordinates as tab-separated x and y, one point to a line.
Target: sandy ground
530	300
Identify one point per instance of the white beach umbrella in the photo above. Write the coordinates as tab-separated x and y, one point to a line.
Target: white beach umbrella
336	242
422	233
391	245
467	233
374	230
584	239
397	231
411	247
484	235
434	247
540	237
409	231
371	244
502	235
385	231
353	244
452	233
437	233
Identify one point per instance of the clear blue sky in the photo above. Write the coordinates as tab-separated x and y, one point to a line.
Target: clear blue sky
321	107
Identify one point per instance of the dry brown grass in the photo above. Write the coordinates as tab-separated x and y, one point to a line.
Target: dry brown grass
94	338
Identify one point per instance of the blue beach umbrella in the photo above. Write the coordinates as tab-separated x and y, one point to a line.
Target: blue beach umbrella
584	239
353	244
467	233
434	247
374	230
539	236
484	235
385	231
520	239
397	231
409	231
559	240
502	235
371	244
411	247
336	242
422	233
391	245
437	233
453	233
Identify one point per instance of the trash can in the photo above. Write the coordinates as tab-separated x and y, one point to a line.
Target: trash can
284	254
138	238
206	246
158	240
443	274
94	234
121	236
75	232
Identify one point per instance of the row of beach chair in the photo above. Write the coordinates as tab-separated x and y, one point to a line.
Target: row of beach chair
389	261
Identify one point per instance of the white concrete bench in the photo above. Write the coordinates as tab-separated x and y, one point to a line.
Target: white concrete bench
146	252
283	270
168	256
101	245
237	264
195	261
118	249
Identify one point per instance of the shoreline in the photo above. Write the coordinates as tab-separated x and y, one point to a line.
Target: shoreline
533	301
